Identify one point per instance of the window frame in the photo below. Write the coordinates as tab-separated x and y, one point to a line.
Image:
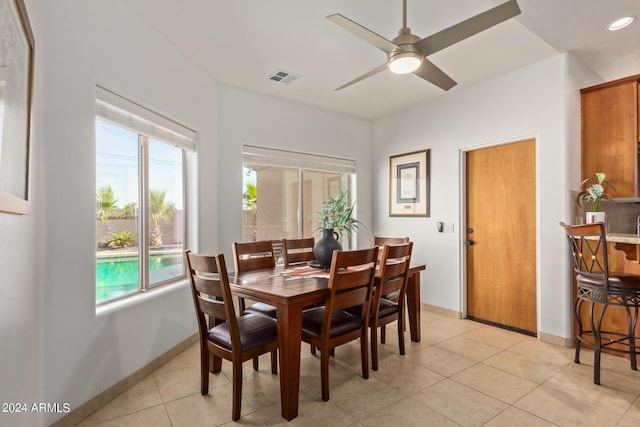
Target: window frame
148	125
303	162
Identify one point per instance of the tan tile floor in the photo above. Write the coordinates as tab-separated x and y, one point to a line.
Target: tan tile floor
461	373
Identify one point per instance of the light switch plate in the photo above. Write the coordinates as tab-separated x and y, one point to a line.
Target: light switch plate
448	227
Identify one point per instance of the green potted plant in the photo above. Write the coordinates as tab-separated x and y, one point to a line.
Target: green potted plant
592	191
335	220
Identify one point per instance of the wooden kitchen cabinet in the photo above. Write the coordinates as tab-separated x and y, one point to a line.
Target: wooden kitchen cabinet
611	133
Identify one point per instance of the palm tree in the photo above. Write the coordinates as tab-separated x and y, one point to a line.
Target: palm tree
159	210
105	204
250	196
129	210
250	201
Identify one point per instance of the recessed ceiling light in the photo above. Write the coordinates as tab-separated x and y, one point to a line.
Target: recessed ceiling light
620	23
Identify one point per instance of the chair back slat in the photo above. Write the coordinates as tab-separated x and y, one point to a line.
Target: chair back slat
298	251
589	258
208	285
212	294
351	280
349	298
253	256
215	309
381	241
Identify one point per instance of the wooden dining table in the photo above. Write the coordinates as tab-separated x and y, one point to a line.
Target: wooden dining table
289	293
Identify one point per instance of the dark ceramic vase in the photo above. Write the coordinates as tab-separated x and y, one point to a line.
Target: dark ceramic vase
323	249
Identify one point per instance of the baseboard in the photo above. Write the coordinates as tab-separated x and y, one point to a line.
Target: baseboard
443	311
554	339
542	336
97	402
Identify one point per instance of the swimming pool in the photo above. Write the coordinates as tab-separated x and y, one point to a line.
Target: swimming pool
119	275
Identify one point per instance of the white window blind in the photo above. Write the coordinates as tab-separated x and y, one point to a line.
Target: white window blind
113	108
253	155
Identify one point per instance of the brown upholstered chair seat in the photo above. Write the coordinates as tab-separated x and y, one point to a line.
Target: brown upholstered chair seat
341	322
255	331
262	309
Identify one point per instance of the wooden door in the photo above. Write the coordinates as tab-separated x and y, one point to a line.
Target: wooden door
501	239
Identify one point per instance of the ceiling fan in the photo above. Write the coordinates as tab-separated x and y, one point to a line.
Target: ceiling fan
407	53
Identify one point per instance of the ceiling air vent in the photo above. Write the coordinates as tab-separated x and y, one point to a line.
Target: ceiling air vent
283	76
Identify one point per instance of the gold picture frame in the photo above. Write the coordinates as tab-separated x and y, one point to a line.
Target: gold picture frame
16	84
409	184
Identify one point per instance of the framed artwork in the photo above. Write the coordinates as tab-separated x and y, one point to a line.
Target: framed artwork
409	184
16	81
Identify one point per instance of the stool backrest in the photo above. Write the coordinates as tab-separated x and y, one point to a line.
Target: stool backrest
588	247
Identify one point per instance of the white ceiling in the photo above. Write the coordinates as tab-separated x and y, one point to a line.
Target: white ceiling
242	42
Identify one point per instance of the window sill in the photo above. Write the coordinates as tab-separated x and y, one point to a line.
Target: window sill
139	298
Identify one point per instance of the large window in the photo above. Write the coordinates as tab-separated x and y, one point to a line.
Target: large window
282	191
140	198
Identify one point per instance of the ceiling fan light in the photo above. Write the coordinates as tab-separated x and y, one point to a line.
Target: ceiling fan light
621	23
405	62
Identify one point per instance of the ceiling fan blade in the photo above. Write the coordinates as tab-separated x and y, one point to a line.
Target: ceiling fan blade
364	76
362	32
460	31
431	73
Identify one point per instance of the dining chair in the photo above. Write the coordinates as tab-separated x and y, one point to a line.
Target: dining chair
393	296
251	256
298	251
601	288
231	337
351	280
391	277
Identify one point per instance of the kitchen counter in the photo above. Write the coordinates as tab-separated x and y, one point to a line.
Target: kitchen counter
631	239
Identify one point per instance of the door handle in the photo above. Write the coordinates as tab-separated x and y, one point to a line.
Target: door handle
470	242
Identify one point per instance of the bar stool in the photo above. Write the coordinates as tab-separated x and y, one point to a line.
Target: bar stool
601	288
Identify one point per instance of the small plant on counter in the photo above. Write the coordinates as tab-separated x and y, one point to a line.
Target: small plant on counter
595	192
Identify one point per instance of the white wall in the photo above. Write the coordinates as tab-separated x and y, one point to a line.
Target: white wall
535	101
254	119
104	42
